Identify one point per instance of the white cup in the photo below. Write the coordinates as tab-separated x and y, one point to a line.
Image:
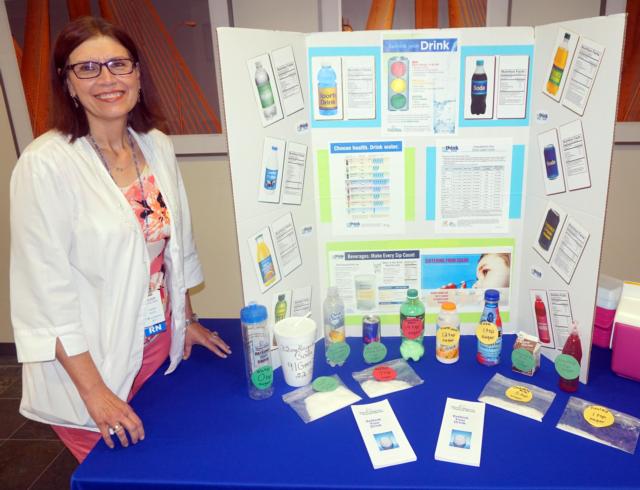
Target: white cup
296	338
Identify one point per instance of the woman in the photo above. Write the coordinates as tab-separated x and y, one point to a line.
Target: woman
102	254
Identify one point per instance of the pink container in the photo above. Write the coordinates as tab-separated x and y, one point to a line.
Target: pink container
626	344
625	361
609	290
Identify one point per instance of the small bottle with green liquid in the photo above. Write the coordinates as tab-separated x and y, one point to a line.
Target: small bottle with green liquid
412	327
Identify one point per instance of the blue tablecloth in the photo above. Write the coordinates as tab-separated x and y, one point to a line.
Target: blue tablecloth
202	430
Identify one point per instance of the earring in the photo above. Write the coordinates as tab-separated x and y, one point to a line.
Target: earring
75	100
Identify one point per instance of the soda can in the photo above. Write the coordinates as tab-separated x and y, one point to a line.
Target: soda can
370	329
551	162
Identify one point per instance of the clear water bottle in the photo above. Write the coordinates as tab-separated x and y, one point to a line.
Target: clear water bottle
334	329
257	351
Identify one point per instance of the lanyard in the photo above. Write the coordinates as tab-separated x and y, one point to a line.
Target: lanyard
135	163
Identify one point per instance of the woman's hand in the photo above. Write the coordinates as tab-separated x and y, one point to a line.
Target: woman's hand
197	334
110	412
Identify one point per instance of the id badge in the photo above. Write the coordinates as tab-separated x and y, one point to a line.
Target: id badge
153	318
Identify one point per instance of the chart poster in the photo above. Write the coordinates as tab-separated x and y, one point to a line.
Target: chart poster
473	178
573	239
265	90
420	80
373	277
367	187
374	280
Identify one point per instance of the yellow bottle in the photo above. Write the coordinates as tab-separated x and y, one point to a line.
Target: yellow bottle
265	262
559	64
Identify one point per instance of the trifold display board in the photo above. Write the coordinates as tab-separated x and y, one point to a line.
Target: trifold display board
450	161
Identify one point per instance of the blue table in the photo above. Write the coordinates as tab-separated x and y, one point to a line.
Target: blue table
203	431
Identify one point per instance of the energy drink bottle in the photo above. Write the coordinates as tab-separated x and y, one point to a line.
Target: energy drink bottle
559	64
327	91
265	262
479	89
541	320
265	91
551	162
489	351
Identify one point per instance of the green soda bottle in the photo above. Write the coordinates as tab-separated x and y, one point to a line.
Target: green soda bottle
412	327
281	308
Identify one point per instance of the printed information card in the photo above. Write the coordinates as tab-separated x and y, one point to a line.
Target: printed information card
460	439
382	435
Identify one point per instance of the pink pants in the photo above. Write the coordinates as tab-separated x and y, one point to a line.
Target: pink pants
80	441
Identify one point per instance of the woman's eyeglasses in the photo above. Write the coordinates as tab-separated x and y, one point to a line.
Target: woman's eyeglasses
92	69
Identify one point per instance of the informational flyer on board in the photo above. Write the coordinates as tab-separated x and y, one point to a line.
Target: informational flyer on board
472	185
367	187
420	78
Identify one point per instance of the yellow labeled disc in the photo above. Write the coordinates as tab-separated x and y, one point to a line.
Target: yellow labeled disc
448	336
487	333
519	394
598	416
398	85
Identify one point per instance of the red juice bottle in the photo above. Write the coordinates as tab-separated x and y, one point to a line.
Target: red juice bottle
541	320
573	348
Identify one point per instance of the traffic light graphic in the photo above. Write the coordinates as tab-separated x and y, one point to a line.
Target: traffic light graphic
398	90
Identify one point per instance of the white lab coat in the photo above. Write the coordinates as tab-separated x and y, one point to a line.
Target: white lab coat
80	270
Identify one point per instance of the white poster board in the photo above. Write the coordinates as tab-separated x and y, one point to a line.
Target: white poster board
425	169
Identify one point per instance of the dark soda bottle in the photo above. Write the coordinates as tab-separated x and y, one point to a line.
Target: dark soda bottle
573	348
479	89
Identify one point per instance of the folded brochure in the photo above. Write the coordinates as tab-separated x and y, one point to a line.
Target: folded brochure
460	439
382	435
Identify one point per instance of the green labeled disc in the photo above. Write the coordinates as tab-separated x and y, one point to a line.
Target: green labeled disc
567	366
374	352
325	383
337	353
523	360
262	378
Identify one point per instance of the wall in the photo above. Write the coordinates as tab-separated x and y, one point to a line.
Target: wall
7	159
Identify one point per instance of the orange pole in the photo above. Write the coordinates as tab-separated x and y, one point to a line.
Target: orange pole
35	64
78	8
426	14
381	15
629	105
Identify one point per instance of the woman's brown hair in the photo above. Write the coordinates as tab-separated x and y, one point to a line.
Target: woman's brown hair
71	120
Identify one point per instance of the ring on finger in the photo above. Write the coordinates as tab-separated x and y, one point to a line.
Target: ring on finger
117	428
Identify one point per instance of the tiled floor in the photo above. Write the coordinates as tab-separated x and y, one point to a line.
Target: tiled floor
31	456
